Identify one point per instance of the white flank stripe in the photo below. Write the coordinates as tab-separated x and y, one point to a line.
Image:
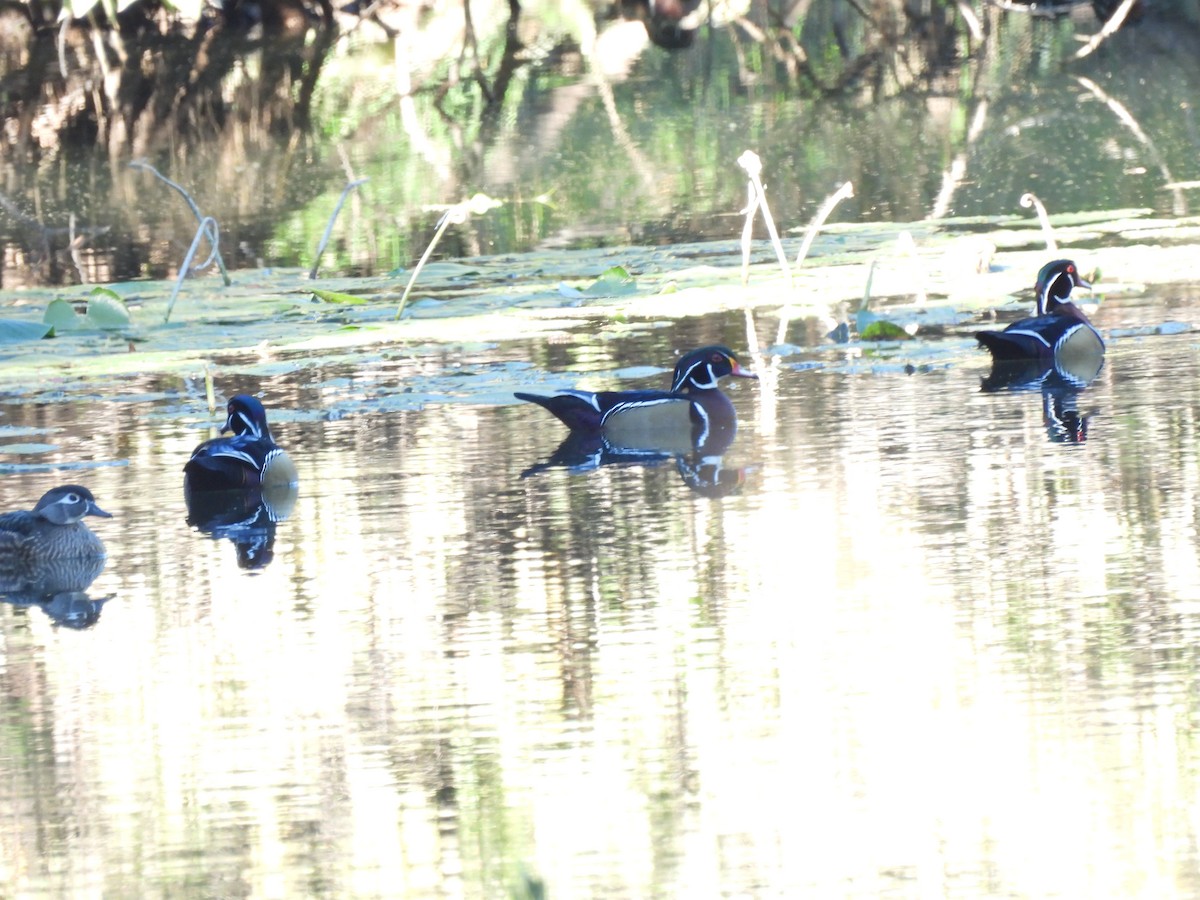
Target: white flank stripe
1030	334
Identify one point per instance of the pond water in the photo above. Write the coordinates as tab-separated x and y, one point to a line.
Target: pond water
928	646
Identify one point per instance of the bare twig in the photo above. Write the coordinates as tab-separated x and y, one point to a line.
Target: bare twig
312	273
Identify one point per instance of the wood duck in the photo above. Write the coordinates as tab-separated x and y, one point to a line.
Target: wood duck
49	543
249	459
693	415
1060	334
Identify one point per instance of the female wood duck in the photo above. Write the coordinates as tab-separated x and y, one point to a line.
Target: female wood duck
248	459
34	544
1060	334
691	415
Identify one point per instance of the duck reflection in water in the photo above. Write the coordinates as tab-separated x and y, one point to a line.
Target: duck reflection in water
49	557
693	423
1060	387
240	487
247	518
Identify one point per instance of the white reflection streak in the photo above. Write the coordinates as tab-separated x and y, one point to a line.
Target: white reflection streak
958	166
1126	118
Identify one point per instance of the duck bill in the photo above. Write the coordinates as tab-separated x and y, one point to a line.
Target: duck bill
94	510
739	372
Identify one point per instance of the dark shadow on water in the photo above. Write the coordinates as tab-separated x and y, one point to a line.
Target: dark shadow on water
247	518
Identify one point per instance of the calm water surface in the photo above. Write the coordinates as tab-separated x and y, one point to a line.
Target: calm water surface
925	650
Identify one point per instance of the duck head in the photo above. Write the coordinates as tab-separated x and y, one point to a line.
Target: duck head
701	369
1055	281
246	416
68	504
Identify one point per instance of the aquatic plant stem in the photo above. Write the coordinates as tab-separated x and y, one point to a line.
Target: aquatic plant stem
206	224
456	214
1029	199
216	254
846	190
750	162
312	273
442	225
209	390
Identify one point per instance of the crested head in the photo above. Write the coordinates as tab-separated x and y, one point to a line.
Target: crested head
700	370
1055	281
68	504
246	416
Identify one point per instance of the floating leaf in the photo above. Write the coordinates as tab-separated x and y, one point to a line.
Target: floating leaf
106	310
335	297
883	330
614	282
61	316
14	331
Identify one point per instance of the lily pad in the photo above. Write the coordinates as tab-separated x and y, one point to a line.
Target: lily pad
13	331
614	282
338	298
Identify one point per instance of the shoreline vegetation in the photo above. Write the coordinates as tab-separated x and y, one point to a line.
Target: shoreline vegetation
244	95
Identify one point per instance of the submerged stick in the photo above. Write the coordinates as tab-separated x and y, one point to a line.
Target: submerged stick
312	273
846	190
208	229
1029	199
146	167
753	166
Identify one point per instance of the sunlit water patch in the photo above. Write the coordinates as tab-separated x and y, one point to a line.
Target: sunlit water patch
931	642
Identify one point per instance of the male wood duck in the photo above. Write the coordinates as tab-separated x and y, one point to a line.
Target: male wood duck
692	415
248	459
1060	334
36	545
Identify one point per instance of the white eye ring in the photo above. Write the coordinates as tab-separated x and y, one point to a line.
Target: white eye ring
71	498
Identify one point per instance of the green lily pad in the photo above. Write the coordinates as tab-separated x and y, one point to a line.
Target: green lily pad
335	297
613	282
61	316
106	310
